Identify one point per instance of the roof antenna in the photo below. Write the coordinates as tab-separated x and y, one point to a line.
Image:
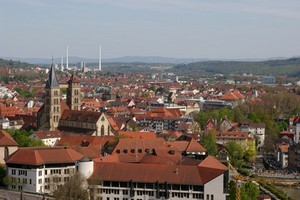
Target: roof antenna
52	58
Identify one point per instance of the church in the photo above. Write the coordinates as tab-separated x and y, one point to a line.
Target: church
67	116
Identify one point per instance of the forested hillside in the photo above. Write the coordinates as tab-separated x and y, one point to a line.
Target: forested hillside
289	67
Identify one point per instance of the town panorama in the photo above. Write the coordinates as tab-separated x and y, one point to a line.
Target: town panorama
147	131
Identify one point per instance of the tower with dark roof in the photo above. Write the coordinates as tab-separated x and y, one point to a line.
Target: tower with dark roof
50	113
74	93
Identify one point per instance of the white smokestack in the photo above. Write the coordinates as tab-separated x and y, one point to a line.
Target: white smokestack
62	64
67	61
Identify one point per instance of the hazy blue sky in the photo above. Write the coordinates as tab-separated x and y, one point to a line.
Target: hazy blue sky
228	29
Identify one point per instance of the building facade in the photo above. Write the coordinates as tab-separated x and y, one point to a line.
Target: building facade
41	170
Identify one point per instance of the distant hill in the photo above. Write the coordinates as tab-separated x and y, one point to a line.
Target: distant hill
125	59
14	64
289	67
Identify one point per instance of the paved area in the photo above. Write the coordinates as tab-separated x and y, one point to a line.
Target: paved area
15	195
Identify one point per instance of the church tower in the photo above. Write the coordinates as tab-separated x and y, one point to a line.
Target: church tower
74	93
52	108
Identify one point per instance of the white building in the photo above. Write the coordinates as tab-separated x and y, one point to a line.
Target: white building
49	138
206	180
256	129
41	170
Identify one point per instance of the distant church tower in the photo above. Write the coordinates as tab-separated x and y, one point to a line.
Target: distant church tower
74	93
52	108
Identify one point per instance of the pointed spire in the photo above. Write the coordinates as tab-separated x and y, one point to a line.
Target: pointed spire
52	82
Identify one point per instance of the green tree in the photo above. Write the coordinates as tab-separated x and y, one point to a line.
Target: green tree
232	190
74	189
22	138
250	152
210	143
236	152
249	191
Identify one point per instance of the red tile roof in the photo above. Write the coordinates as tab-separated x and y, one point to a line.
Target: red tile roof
6	139
151	173
142	135
43	155
80	116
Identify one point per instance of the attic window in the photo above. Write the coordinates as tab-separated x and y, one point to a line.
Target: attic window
132	151
140	150
118	151
125	151
147	150
102	119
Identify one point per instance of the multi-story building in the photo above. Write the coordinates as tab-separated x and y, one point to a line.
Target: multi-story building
41	170
49	138
160	179
160	119
256	129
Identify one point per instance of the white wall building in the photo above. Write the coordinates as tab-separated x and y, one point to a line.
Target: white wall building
207	181
41	170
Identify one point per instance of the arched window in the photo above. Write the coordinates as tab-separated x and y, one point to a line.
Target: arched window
102	130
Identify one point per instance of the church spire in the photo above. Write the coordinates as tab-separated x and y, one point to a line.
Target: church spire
52	82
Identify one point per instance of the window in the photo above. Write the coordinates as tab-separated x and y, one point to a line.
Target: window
40	173
23	172
40	181
47	180
212	197
29	181
207	197
13	172
46	172
66	171
24	181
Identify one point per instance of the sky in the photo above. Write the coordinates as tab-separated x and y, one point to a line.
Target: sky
211	29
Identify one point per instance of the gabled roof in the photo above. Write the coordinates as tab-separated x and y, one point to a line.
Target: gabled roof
6	139
43	155
80	116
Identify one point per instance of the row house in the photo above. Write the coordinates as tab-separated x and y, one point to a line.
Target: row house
160	119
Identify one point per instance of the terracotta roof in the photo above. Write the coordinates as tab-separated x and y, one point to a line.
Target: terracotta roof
151	173
142	135
188	146
80	116
48	134
129	144
43	155
79	140
6	139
